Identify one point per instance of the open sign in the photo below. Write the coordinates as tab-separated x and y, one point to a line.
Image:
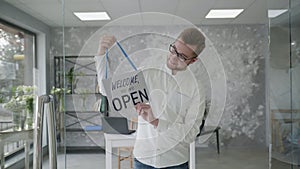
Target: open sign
126	90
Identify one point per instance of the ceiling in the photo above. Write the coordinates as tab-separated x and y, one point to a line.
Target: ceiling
51	11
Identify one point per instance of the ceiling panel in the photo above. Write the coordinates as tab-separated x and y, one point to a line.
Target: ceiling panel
117	8
277	4
37	1
232	4
37	9
194	11
50	11
72	20
158	19
53	12
295	3
165	6
256	13
83	6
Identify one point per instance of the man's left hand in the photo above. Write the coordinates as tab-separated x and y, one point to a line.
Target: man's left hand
145	111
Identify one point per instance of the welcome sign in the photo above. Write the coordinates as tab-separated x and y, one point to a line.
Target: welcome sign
126	90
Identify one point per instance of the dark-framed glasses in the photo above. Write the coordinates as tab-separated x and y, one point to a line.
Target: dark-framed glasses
182	57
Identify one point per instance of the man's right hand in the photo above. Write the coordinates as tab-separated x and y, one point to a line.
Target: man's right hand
145	111
105	43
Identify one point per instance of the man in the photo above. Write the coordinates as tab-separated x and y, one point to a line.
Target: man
172	119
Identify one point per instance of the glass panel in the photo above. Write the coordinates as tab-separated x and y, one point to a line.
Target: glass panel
81	117
59	87
242	48
294	137
23	63
284	84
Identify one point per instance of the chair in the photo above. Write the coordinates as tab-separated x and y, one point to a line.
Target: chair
129	150
204	130
280	118
129	157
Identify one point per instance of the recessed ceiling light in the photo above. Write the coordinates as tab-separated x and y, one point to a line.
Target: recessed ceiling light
273	13
224	13
92	16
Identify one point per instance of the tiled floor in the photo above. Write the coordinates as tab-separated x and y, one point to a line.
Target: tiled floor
205	159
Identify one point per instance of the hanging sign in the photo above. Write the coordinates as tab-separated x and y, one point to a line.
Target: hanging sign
126	90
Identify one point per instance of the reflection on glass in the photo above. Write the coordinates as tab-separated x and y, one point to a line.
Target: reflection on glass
285	85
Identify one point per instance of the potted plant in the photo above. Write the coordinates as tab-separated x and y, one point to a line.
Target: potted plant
21	106
58	93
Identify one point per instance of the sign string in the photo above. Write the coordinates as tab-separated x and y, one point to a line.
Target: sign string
125	55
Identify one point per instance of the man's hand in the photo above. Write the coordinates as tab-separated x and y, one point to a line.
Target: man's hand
105	43
145	111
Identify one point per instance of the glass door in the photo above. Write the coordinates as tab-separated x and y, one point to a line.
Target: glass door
284	93
59	88
294	137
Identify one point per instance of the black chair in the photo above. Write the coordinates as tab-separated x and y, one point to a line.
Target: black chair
209	129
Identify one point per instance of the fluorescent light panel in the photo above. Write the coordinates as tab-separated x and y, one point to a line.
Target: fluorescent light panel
92	16
273	13
224	13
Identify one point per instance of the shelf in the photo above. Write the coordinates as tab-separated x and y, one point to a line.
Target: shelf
83	130
74	112
61	74
84	73
70	94
84	149
73	57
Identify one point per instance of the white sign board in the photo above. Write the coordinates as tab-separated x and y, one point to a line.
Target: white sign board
126	90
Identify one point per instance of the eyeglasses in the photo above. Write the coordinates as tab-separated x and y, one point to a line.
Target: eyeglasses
181	56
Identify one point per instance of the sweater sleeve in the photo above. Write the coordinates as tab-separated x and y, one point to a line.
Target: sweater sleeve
101	70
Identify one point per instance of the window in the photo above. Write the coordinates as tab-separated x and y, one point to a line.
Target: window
17	58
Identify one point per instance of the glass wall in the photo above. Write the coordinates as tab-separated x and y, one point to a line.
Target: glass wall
24	66
243	48
284	93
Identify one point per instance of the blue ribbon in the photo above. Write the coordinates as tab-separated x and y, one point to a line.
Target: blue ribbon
124	53
126	56
106	63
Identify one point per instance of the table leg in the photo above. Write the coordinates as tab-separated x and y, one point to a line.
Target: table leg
218	141
27	148
2	154
192	156
108	155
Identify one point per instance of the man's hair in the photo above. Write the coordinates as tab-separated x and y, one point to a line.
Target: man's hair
193	36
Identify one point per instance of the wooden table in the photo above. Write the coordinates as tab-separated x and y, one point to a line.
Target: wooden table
13	136
120	140
116	140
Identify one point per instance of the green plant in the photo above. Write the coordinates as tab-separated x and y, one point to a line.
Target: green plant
58	92
70	75
22	99
1	98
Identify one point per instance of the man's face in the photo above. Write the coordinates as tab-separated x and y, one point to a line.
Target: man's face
186	51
